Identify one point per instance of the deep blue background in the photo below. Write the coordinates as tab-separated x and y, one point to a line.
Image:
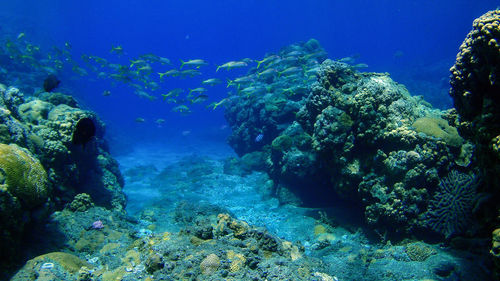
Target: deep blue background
413	40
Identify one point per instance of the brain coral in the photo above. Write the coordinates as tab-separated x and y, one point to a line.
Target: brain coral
210	264
451	209
25	177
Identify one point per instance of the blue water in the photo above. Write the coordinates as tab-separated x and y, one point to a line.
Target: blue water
415	41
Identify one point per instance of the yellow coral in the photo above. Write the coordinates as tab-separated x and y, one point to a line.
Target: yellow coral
24	175
68	261
210	264
237	261
439	128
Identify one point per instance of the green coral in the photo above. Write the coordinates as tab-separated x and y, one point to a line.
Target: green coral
419	251
24	176
439	128
81	203
282	143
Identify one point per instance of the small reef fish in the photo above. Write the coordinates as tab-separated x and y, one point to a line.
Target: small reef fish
214	105
232	64
259	137
50	83
360	66
197	90
266	60
21	36
160	121
181	109
211	82
171	73
173	93
138	62
143	94
196	63
240	80
150	57
140	120
290	70
164	61
117	50
145	68
199	99
267	73
190	73
106	93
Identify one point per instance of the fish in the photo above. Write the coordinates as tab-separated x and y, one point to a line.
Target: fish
295	53
145	68
164	61
232	64
50	83
252	89
266	60
21	36
181	109
214	105
106	93
140	120
150	57
79	70
197	90
240	80
290	70
172	73
196	63
138	62
160	121
173	93
199	99
259	137
117	50
84	131
190	73
211	81
268	72
360	66
143	94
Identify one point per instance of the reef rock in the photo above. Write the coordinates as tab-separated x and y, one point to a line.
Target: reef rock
357	137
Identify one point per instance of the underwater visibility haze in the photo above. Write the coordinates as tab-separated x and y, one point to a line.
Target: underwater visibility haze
249	140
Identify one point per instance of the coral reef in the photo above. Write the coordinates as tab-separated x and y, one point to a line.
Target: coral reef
360	137
41	169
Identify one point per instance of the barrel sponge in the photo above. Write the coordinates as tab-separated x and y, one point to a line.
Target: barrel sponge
24	176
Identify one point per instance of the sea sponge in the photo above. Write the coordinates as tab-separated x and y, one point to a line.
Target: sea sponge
25	177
